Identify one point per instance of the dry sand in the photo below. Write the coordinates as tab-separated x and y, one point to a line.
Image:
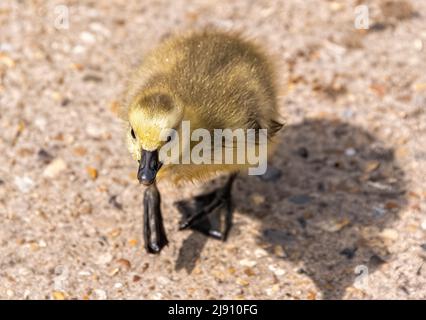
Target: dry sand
346	220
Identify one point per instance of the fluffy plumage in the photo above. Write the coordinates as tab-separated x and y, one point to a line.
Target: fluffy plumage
215	80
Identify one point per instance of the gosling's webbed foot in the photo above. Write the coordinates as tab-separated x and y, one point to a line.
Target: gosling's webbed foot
207	214
154	234
210	214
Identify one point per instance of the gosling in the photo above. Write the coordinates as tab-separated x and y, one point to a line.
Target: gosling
214	80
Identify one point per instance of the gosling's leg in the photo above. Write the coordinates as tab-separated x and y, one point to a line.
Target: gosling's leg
209	213
154	233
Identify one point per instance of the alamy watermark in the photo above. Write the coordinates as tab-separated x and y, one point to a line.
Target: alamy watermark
218	146
362	17
62	17
361	279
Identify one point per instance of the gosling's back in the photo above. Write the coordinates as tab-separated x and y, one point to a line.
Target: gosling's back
226	81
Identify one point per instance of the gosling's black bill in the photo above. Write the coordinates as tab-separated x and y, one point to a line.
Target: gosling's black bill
148	167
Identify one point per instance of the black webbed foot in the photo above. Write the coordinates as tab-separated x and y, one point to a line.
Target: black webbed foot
210	214
154	234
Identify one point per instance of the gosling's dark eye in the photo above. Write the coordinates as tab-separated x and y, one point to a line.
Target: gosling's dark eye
169	138
133	134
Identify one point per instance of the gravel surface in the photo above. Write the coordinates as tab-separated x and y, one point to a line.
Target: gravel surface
345	220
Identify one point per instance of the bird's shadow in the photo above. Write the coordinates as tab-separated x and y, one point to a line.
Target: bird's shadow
339	189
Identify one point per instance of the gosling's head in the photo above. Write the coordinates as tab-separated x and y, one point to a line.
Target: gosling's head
151	116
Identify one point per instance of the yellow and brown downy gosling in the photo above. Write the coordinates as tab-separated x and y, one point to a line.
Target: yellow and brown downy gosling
211	80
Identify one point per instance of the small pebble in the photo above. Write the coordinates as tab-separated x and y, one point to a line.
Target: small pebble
398	9
87	37
27	294
58	295
333	225
257	199
248	263
350	152
249	272
104	259
371	166
79	49
157	296
378	212
348	113
349	252
65	101
113	201
391	205
24	184
303	152
57	96
242	282
277	236
80	151
34	246
6	47
115	233
418	44
57	166
378	26
115	107
279	251
145	267
302	222
133	242
390	234
300	199
219	275
95	131
277	271
232	270
301	271
92	172
84	208
114	272
100	28
272	290
6	60
376	261
100	294
378	89
92	78
336	6
124	263
163	280
44	156
380	186
311	295
259	253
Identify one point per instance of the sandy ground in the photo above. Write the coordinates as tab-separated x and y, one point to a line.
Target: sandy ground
346	220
